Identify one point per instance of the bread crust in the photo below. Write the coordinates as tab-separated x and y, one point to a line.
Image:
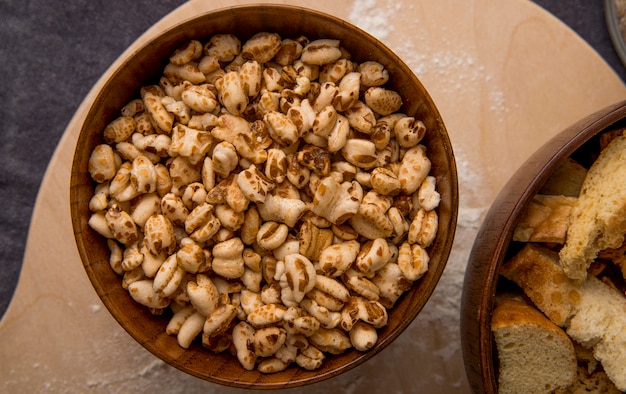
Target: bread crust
511	312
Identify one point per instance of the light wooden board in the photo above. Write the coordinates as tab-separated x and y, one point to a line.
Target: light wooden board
506	77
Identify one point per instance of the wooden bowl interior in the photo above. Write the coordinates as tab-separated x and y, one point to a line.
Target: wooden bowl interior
145	66
493	245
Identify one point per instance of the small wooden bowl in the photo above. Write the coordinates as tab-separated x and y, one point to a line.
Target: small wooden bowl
492	243
145	65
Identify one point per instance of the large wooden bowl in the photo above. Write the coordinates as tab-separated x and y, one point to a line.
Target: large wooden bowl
145	65
493	242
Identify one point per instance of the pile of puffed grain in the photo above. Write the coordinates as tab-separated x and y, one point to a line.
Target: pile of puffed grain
271	195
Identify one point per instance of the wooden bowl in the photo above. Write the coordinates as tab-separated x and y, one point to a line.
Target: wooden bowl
493	242
144	66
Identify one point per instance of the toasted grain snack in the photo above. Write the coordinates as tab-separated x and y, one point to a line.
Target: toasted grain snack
237	194
535	355
598	221
546	219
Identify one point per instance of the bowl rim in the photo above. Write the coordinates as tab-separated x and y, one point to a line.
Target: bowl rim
613	26
494	236
446	244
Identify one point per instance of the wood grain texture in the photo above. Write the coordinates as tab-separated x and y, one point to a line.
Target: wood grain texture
502	90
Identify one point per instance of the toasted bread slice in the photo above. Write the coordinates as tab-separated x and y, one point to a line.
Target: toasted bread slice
566	180
593	313
600	322
536	270
596	382
598	221
535	355
545	220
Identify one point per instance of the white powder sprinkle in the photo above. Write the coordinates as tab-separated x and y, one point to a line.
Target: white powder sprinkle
452	67
374	20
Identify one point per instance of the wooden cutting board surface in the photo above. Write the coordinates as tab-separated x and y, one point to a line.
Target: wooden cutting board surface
505	75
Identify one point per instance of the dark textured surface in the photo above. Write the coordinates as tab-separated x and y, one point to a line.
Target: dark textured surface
53	52
587	18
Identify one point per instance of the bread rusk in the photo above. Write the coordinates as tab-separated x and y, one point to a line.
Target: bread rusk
585	383
598	220
566	180
535	355
545	220
591	378
616	256
536	271
592	313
